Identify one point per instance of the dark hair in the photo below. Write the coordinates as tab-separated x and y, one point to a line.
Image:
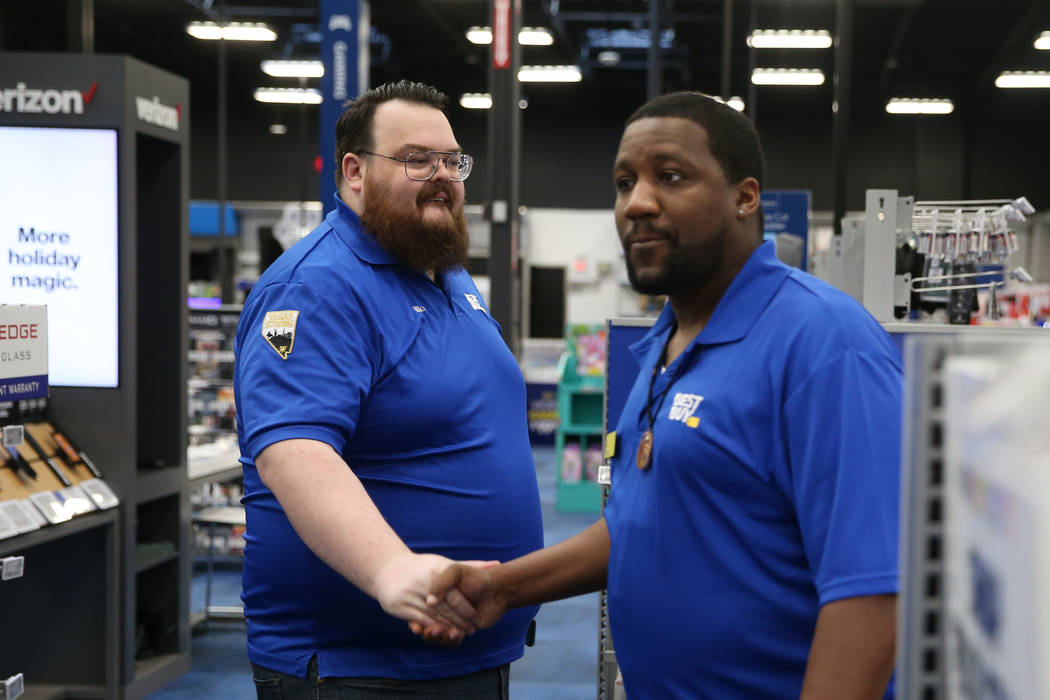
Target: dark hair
730	134
354	132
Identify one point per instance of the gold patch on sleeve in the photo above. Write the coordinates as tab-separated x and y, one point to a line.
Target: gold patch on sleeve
610	444
278	328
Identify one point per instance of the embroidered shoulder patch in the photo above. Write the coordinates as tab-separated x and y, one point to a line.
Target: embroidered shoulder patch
278	328
474	302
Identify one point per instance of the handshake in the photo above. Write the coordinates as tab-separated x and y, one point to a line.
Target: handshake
442	600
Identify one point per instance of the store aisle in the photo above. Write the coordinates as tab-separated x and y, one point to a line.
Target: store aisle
562	665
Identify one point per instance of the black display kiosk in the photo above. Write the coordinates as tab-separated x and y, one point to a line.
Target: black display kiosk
103	610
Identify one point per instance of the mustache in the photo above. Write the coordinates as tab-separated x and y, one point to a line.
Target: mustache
432	189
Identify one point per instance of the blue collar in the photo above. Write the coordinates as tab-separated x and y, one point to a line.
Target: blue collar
347	224
737	311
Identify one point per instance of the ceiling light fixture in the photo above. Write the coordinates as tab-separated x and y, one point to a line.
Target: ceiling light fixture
475	100
919	105
293	69
789	39
550	74
278	129
787	76
288	96
535	36
1023	79
233	31
736	103
609	58
527	36
479	35
1043	42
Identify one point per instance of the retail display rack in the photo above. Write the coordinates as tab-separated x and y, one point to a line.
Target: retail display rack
578	441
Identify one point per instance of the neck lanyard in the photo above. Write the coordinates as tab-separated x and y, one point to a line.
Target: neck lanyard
645	447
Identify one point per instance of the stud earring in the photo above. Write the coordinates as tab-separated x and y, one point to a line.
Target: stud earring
740	212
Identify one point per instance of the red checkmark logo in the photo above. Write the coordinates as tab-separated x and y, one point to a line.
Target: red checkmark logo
90	94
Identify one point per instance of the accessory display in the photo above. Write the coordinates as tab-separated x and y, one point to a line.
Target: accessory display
18	463
644	457
51	463
74	456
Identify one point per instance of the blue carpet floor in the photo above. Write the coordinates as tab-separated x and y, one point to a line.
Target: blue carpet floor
562	666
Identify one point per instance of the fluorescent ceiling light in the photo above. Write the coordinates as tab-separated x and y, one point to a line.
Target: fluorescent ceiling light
535	36
475	100
1043	42
736	103
289	96
789	39
233	31
910	105
278	129
787	76
527	36
550	74
1023	79
293	69
479	35
609	57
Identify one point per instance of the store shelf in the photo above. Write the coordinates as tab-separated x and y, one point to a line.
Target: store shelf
148	561
61	692
582	428
19	543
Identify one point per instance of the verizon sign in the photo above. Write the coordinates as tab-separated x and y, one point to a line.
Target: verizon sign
501	34
158	114
22	99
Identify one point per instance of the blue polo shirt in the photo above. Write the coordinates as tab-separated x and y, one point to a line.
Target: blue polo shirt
413	385
773	488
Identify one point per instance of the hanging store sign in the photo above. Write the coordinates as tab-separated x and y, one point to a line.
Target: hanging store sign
159	114
501	27
22	99
23	352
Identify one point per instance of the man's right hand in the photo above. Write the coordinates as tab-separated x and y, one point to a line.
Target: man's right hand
471	593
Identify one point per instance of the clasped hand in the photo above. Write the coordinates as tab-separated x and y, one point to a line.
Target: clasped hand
442	600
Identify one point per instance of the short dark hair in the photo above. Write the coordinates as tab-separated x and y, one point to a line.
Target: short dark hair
354	132
731	136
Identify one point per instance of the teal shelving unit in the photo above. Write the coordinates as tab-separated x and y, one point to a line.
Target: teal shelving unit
581	400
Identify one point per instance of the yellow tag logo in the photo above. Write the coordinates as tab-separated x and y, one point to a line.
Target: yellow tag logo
610	444
278	328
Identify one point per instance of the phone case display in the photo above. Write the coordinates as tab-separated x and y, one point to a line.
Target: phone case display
43	478
211	409
578	442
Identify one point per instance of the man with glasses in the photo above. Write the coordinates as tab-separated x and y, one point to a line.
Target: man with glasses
382	426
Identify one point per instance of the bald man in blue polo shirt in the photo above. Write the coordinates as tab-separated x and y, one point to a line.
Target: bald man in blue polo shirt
382	427
749	545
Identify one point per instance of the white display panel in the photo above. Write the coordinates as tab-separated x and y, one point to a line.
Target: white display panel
58	243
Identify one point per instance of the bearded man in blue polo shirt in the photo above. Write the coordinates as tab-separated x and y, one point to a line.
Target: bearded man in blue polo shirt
382	427
749	544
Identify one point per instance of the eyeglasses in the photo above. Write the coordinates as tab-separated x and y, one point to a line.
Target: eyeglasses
422	166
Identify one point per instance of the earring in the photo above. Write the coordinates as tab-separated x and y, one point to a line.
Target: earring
740	212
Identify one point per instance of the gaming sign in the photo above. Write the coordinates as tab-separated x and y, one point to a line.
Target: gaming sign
23	352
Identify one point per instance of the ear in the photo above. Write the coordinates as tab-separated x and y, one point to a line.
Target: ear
353	172
748	197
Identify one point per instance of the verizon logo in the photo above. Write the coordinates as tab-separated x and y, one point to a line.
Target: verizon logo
153	112
26	100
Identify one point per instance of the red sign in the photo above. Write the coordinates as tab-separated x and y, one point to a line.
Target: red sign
501	34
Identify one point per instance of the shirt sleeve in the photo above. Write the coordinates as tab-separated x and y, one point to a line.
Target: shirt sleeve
843	433
314	388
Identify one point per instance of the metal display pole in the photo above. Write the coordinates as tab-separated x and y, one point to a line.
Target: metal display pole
504	152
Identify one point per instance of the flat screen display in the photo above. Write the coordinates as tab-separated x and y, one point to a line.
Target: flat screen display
58	244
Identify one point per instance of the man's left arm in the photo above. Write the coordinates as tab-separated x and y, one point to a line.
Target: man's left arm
852	654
